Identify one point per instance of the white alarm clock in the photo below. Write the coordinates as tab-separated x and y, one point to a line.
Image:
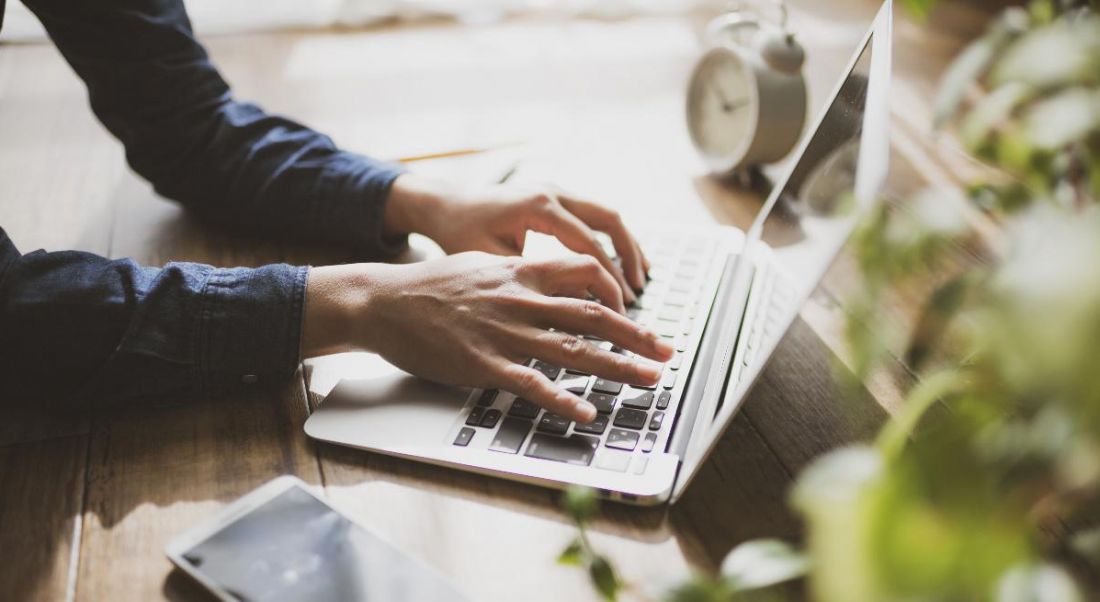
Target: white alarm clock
746	103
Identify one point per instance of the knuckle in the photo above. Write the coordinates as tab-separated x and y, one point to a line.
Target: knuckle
527	381
592	310
573	347
542	200
613	217
590	264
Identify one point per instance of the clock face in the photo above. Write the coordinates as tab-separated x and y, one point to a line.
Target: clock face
721	108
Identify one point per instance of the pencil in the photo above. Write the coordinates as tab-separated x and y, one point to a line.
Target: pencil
459	152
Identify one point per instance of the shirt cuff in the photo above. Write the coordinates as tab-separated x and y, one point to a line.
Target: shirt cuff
364	194
250	327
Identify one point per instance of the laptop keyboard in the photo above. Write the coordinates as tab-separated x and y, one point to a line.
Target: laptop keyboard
631	421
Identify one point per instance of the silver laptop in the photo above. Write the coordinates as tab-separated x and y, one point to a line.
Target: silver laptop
724	297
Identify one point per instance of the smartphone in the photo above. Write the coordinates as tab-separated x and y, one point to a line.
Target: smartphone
282	542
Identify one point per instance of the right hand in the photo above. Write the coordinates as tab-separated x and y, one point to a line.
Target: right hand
475	319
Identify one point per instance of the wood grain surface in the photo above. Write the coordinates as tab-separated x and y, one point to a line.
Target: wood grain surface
87	503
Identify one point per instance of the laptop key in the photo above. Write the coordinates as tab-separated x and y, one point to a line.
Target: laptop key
604	403
620	439
631	419
642	401
671	313
677	300
596	427
474	418
574	384
464	436
574	449
523	409
552	423
548	370
489	420
656	421
648	442
575	372
510	435
663	400
607	386
668	381
487	398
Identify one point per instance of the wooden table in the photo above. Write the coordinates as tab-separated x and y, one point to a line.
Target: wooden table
87	503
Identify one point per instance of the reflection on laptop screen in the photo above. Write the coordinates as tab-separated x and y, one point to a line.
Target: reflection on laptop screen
807	222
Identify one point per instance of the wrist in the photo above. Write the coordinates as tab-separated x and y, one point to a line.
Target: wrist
338	308
415	205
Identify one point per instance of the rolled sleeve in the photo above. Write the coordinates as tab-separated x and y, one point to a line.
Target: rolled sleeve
356	205
251	326
78	330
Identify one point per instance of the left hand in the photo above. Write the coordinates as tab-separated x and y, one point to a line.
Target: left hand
496	220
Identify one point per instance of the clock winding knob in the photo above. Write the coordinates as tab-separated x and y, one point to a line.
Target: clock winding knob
782	52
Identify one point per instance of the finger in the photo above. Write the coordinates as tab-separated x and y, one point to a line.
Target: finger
577	236
578	276
573	352
534	387
500	248
608	221
585	317
645	260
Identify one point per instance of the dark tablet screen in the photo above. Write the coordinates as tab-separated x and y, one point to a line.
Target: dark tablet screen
295	547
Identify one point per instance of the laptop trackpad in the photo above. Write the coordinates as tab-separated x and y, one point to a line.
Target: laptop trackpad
395	409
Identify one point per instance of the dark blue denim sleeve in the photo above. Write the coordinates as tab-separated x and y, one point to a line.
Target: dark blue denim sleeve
152	84
77	329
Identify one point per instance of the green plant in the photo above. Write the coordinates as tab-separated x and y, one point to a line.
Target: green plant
996	495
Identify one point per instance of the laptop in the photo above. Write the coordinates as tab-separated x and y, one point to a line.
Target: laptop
724	297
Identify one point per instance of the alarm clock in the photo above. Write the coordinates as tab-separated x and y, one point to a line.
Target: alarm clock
746	101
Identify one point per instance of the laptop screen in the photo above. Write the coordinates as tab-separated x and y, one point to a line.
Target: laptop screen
811	216
841	166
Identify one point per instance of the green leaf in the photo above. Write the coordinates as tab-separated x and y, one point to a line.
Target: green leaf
604	578
1064	53
1037	583
991	113
935	318
1063	119
701	589
893	437
580	502
920	8
973	62
763	563
573	554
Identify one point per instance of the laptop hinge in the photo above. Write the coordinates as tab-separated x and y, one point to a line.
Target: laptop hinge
723	324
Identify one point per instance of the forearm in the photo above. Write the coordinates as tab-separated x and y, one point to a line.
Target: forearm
336	299
153	86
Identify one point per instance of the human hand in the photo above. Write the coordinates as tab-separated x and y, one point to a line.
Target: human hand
475	319
496	220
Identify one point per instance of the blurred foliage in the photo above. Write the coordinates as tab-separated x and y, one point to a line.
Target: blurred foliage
986	483
972	501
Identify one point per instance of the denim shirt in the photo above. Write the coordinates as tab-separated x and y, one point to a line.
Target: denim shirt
81	330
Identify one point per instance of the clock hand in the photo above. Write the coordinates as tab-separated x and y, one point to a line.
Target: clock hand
721	97
727	105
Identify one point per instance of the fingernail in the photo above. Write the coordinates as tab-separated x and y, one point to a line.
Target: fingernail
586	411
650	372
